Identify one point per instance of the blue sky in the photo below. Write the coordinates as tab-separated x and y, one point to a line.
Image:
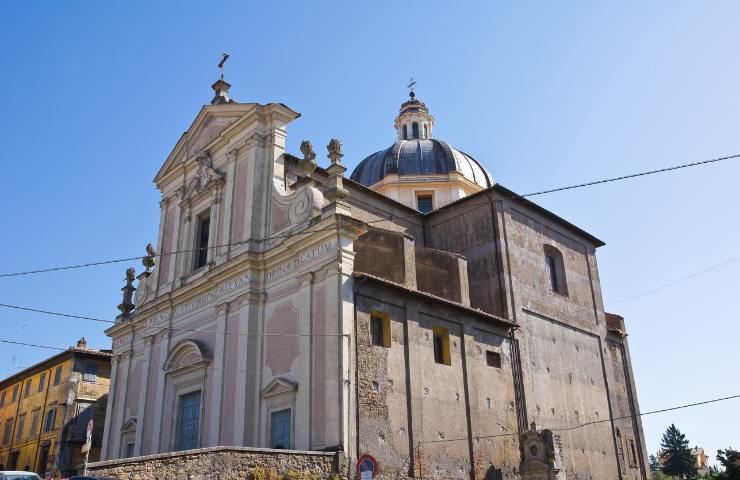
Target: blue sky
95	94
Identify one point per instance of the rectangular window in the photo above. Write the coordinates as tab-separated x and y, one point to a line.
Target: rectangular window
2	398
380	330
35	423
51	417
204	224
8	431
27	391
91	372
129	450
552	273
280	429
424	202
19	429
441	338
42	382
493	359
188	421
632	453
57	375
15	393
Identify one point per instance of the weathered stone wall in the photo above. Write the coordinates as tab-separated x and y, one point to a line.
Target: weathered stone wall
225	463
441	273
471	231
440	420
381	254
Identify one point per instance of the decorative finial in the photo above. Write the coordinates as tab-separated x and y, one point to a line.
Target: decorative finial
148	260
308	163
410	86
335	151
127	305
224	57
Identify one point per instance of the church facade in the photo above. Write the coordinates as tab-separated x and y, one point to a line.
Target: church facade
415	311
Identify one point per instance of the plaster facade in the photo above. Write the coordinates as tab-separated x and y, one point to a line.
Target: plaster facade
323	315
45	410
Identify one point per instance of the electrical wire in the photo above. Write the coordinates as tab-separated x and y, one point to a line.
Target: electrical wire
181	329
442	440
675	282
611	419
159	362
388	219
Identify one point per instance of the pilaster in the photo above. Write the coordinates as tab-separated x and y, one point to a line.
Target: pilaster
125	366
187	244
231	159
164	214
217	379
214	224
109	426
304	396
141	420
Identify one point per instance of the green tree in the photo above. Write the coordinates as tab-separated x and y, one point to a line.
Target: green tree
653	463
678	458
730	459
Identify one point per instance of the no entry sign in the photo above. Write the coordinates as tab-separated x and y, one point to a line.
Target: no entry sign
367	466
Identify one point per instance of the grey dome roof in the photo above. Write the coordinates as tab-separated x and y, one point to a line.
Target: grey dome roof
420	157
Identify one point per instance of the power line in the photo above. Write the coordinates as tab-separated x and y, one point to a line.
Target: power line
675	282
144	360
180	329
573	427
388	219
559	429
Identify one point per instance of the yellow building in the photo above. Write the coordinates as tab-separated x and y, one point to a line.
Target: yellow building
45	410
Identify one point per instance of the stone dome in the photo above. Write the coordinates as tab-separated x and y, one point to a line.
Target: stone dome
420	157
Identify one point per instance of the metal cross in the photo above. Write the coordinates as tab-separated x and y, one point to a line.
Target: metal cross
224	57
411	84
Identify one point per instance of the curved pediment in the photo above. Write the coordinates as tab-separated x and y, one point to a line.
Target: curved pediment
186	354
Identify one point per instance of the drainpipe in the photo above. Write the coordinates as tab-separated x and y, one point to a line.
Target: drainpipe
41	420
15	422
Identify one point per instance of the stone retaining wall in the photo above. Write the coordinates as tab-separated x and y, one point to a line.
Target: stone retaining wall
226	463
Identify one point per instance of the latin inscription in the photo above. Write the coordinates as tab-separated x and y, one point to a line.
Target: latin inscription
227	287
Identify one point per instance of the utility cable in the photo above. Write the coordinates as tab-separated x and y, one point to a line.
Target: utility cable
675	282
560	429
388	219
180	329
611	419
144	360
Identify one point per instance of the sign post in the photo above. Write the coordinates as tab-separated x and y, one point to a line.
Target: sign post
367	467
88	444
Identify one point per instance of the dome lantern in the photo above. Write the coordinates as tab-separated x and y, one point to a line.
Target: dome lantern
413	121
418	170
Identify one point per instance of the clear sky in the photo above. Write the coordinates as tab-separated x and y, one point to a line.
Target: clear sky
95	95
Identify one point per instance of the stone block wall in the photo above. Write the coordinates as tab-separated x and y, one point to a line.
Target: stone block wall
226	463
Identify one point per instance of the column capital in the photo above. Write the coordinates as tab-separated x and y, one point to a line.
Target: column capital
306	278
232	155
222	308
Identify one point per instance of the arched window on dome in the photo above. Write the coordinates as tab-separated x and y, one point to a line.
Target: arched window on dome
426	131
405	133
415	131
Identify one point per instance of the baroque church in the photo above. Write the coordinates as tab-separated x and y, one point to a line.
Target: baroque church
415	311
